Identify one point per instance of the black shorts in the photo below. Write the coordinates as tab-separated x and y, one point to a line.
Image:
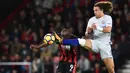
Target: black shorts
66	67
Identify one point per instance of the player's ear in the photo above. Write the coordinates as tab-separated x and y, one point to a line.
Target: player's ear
102	10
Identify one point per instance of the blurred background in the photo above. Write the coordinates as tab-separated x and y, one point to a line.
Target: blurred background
25	22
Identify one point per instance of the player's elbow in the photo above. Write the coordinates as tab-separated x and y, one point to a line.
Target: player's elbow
107	29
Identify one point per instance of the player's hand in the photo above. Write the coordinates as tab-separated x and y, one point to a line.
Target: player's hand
34	48
94	26
57	37
90	30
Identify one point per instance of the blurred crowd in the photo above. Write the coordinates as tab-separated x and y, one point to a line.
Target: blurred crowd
35	20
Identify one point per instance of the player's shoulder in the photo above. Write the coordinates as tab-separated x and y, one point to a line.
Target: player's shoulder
92	18
108	16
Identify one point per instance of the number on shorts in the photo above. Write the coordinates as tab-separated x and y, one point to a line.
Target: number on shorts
71	67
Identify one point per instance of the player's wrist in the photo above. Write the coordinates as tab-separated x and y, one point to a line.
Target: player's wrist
99	28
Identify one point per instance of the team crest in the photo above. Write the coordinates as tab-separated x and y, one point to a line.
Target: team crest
103	21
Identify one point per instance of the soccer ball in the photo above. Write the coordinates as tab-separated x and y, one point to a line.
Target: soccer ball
49	38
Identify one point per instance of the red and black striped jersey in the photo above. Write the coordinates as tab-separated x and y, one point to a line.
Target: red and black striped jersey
68	53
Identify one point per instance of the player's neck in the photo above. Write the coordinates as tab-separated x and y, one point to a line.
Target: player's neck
102	15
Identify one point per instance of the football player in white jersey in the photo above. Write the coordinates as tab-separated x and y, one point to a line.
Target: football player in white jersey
101	25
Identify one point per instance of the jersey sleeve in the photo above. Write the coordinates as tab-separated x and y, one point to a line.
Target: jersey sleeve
88	25
109	21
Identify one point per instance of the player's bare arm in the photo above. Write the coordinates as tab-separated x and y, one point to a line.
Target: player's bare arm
38	46
106	29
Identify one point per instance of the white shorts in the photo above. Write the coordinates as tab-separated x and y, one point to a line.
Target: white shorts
103	48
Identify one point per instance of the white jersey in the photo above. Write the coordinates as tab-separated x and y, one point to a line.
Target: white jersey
104	21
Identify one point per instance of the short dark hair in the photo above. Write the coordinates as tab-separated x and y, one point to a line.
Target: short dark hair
106	6
65	33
